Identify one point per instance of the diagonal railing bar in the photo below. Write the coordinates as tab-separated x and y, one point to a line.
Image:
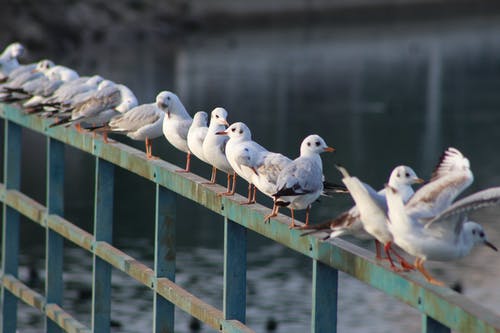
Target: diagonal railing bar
444	305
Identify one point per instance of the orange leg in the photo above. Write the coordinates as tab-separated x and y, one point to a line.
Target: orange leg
228	187
274	213
188	163
233	189
377	250
79	128
387	249
305	226
402	261
293	218
213	176
250	196
419	264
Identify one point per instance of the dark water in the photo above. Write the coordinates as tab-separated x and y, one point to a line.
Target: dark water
382	95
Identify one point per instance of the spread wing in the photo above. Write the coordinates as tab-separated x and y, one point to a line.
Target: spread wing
450	178
459	209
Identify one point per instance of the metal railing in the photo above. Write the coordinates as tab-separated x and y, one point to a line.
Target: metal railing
442	309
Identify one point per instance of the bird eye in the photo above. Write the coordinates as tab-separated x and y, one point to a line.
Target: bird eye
481	234
241	131
168	98
407	174
317	143
216	116
309	144
234	130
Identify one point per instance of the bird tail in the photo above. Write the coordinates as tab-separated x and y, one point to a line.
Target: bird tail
331	188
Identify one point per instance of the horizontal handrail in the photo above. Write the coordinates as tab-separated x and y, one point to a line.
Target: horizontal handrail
450	308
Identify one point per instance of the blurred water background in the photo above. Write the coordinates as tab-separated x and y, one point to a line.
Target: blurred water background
382	92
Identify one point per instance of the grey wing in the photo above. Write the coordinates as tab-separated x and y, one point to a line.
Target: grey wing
97	104
272	164
478	200
301	176
436	196
136	118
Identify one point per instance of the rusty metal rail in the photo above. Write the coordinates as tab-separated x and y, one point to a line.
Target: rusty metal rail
442	309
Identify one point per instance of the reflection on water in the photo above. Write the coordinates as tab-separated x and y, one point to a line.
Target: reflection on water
382	95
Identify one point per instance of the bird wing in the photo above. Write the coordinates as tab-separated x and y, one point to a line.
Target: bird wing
478	200
140	116
434	197
302	176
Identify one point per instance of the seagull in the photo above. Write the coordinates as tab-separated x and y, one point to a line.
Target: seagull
430	226
447	236
214	149
63	96
103	99
300	183
244	155
103	106
372	210
56	77
44	85
144	122
24	73
176	125
8	89
349	222
197	133
8	58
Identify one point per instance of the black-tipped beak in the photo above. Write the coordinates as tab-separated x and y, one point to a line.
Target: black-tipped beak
490	245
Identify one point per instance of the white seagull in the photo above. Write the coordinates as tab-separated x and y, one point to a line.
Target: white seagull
372	210
8	58
349	222
300	183
214	148
143	122
197	133
176	125
429	227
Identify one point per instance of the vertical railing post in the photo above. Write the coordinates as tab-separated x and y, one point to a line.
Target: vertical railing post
54	242
431	325
235	270
165	254
103	232
10	232
324	298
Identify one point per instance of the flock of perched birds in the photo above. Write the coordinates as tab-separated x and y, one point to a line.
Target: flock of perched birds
427	224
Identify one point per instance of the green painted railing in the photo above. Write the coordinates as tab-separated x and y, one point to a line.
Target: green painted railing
442	309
